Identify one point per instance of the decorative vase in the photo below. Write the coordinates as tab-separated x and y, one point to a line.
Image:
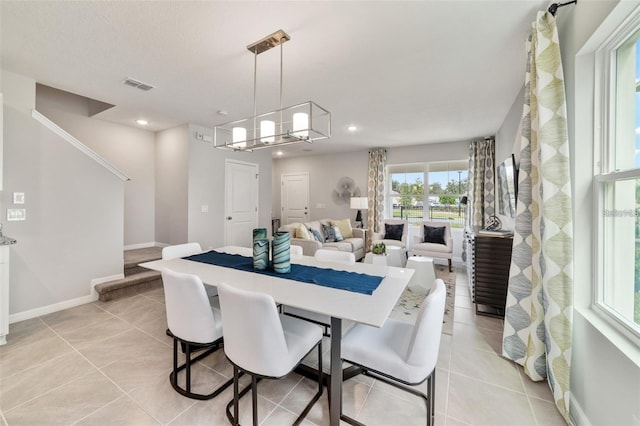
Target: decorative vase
259	234
281	255
260	254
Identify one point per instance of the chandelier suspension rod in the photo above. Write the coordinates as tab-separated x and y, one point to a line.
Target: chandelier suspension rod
281	52
255	85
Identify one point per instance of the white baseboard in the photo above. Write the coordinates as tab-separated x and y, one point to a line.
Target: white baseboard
44	310
141	245
577	415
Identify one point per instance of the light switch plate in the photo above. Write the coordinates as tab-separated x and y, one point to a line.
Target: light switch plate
16	214
18	198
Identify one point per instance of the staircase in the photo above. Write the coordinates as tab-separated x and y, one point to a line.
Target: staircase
136	279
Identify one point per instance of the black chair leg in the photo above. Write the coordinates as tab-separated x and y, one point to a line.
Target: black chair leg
254	400
236	399
188	367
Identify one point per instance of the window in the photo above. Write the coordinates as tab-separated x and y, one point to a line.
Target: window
617	180
447	186
430	191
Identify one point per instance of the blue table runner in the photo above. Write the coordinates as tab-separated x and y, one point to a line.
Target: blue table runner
343	280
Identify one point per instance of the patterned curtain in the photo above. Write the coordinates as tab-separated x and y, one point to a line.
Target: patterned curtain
481	182
375	192
538	317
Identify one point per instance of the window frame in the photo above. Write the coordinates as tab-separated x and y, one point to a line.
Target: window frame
605	173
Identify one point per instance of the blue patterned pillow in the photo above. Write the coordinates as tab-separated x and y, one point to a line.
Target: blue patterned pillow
316	235
339	236
330	232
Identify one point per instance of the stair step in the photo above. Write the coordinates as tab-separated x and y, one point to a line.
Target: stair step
128	286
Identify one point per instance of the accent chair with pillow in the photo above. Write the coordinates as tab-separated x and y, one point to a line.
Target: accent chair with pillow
434	241
327	234
394	233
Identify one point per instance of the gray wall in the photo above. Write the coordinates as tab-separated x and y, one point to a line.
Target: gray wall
74	228
129	149
172	185
605	380
206	176
324	173
508	142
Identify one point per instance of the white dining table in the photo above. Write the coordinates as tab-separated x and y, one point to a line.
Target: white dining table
340	305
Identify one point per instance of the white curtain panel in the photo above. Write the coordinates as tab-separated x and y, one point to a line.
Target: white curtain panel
375	192
538	316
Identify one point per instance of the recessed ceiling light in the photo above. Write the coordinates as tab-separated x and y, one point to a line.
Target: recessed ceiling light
142	122
279	153
352	128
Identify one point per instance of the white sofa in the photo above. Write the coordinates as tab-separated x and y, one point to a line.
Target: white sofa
354	244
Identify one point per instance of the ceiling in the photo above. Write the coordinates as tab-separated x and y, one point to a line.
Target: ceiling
404	73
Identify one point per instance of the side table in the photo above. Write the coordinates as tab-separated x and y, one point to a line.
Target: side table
424	274
395	257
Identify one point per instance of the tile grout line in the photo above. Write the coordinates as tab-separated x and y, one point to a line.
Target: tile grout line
100	370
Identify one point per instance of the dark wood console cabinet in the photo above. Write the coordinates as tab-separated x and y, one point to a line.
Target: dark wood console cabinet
489	260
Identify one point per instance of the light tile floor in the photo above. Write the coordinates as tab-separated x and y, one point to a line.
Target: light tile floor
108	364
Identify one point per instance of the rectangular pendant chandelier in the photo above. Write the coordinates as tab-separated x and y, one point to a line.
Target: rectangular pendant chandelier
305	122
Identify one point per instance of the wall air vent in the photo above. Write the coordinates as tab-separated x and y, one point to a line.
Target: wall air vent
138	84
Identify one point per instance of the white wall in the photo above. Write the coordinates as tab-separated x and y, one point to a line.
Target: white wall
74	227
172	185
130	149
447	151
605	372
206	173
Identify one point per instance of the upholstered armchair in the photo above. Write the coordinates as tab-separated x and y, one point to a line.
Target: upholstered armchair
434	241
389	234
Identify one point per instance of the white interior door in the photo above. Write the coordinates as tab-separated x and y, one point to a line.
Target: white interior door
295	198
241	202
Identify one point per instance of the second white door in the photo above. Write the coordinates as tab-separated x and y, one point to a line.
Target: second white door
295	198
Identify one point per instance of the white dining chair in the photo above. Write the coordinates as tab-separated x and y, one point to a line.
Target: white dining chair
296	251
192	323
180	250
326	255
264	344
184	250
399	353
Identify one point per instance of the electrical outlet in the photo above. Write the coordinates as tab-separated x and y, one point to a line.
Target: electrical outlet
16	214
205	208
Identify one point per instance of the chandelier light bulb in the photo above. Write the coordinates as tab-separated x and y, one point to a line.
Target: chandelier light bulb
267	131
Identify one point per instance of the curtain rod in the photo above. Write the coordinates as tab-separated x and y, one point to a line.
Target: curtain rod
554	7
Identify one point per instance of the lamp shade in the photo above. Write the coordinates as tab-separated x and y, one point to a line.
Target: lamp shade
358	203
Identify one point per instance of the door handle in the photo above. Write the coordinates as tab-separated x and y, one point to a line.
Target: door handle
229	218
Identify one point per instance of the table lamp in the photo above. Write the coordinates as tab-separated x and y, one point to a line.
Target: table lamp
359	203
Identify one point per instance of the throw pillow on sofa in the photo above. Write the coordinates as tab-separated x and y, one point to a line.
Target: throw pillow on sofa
316	235
345	227
330	233
303	233
434	234
336	230
393	232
